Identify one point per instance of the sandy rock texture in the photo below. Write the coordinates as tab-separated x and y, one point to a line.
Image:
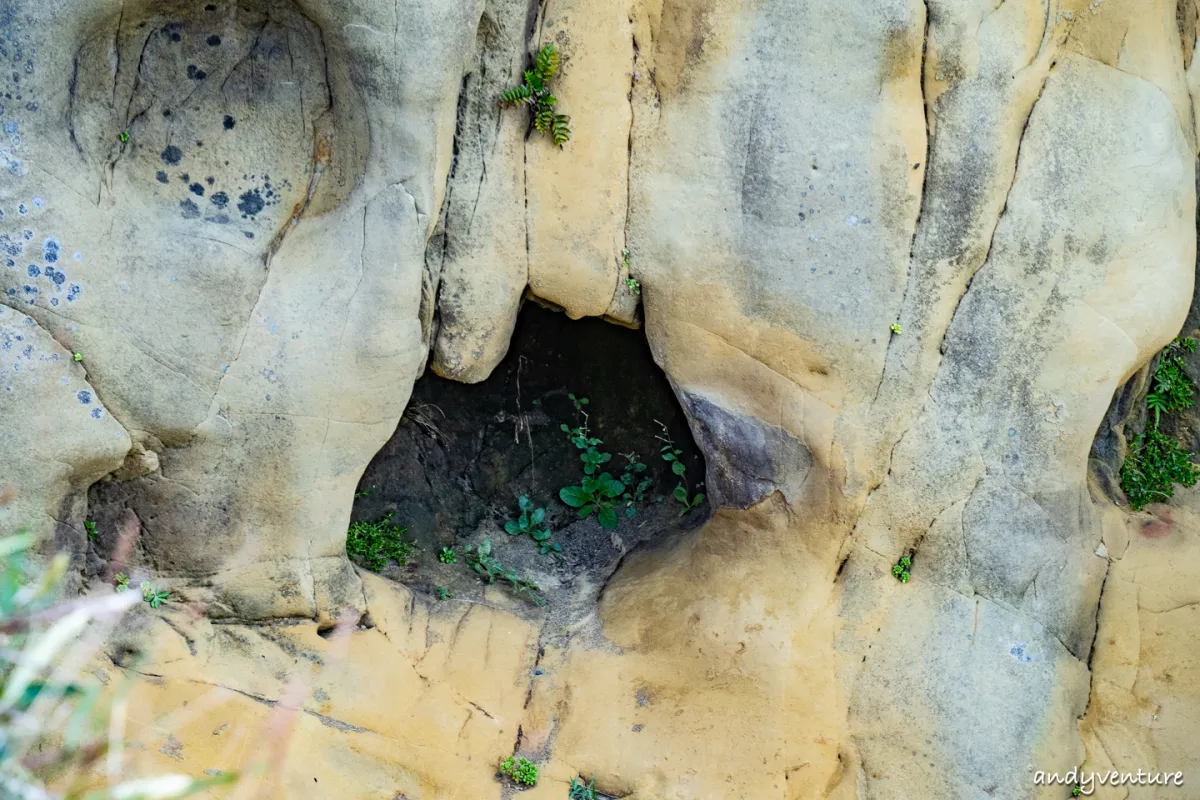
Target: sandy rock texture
259	220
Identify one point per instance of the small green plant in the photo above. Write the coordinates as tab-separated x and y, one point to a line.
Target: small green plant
447	556
122	582
124	137
90	527
444	593
670	454
635	482
1076	790
530	522
374	544
1155	462
79	356
581	790
483	562
535	93
633	285
595	496
520	770
902	569
364	493
154	595
896	329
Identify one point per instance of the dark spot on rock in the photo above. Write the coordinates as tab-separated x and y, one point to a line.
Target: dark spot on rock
172	155
250	203
175	37
166	112
50	251
161	176
96	413
248	234
59	278
199	143
84	396
196	74
33	271
229	122
210	180
219	199
185	178
220	219
196	189
190	209
210	7
213	41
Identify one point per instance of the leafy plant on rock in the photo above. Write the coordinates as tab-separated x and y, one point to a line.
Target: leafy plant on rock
902	569
489	567
535	93
530	522
90	527
520	770
154	595
447	556
670	454
1155	462
374	544
635	482
597	496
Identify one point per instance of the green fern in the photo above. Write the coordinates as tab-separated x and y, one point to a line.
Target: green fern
516	96
560	129
547	62
535	92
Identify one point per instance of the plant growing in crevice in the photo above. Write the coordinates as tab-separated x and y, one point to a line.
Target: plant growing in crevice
535	93
670	454
520	770
90	527
374	544
444	593
902	570
447	556
635	482
530	522
1156	462
582	791
483	562
122	584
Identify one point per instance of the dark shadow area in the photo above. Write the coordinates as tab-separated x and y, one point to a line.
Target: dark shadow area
463	454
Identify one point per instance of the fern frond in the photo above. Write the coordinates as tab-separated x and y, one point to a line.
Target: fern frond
516	95
547	101
547	62
560	129
534	81
543	119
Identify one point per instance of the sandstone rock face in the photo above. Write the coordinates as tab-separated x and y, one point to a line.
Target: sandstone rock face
258	221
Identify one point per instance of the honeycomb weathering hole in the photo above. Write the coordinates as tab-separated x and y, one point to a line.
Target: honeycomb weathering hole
463	454
208	113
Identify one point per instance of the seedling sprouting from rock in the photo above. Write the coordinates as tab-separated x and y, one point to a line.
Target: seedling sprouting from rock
903	568
670	454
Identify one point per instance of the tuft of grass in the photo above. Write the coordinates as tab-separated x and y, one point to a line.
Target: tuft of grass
581	790
374	544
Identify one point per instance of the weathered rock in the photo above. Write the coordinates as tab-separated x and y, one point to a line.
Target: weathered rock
1012	185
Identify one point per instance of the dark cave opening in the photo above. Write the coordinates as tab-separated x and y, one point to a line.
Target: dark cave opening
463	455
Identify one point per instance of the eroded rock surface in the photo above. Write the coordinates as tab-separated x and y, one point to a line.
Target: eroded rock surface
1011	184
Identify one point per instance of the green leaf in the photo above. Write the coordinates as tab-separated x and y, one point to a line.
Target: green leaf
614	488
523	521
698	499
511	528
668	456
539	535
678	468
680	494
573	496
564	428
629	512
607	519
539	514
586	511
525	503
